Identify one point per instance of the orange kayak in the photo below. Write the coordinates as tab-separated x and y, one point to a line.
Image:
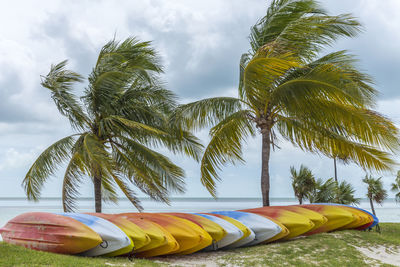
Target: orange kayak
50	232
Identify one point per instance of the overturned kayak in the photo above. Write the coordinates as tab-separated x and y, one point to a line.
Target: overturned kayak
50	232
134	232
248	234
233	233
317	218
162	242
114	239
213	229
296	224
263	228
188	236
337	217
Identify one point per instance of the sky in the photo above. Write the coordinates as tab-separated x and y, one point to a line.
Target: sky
200	43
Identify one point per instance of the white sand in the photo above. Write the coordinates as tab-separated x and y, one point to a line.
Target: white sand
388	255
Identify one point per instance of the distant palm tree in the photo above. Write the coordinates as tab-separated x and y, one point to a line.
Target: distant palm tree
303	182
396	186
286	91
122	116
323	192
376	192
345	194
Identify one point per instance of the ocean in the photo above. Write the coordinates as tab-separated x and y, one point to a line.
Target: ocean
11	207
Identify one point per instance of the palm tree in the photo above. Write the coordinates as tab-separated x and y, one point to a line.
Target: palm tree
122	117
323	192
396	187
322	105
303	182
345	194
376	192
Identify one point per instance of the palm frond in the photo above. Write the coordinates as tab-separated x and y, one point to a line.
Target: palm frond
59	81
46	165
129	193
317	139
205	113
225	146
72	180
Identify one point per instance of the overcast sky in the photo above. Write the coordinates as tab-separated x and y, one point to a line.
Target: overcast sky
200	43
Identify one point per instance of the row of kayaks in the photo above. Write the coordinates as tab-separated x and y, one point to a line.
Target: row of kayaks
155	234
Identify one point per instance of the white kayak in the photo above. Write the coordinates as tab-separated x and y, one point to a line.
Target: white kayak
263	228
113	237
233	233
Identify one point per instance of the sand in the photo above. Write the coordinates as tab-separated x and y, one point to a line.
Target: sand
384	254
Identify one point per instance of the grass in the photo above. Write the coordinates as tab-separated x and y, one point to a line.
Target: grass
330	249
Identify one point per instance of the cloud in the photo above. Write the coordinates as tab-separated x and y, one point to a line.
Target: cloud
200	43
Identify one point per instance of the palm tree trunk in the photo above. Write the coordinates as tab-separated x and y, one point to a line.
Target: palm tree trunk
372	206
97	192
265	155
334	164
300	201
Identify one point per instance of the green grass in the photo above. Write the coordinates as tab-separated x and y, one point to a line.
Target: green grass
332	249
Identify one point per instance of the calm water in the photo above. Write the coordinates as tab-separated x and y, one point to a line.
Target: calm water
11	207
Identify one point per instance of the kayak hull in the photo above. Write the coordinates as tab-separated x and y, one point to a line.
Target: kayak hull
50	232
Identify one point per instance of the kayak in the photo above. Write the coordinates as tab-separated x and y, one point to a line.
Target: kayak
263	228
134	232
296	224
336	216
368	218
114	239
187	236
50	232
233	233
213	229
317	218
162	242
248	234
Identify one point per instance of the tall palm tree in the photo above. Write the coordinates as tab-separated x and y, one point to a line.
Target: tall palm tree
303	182
322	105
375	192
122	117
396	187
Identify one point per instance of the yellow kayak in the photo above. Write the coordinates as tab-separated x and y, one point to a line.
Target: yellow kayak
185	235
135	233
213	229
362	218
296	224
317	218
169	247
154	231
337	217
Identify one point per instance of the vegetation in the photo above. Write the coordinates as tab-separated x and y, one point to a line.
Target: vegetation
345	194
375	192
303	182
286	90
396	187
122	116
306	187
333	249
